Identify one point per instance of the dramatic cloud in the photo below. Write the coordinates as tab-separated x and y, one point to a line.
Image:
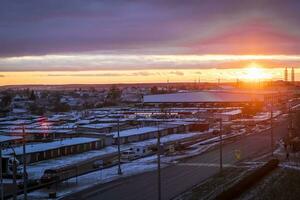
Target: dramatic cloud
178	73
35	27
142	73
91	62
83	35
115	74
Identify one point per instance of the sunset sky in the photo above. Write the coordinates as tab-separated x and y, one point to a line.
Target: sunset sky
114	41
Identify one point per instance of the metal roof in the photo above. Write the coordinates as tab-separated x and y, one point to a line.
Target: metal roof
204	97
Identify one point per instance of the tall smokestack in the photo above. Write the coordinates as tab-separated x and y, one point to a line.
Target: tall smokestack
293	75
285	74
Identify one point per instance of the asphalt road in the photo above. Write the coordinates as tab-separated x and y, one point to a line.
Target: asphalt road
179	178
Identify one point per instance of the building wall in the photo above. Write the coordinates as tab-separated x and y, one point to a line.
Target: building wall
62	151
164	132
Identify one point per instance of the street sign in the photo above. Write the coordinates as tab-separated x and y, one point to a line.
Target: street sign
171	149
237	154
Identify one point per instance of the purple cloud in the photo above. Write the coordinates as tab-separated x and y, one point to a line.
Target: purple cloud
35	27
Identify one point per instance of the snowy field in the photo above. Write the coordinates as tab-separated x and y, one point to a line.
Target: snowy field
136	167
109	174
36	170
97	177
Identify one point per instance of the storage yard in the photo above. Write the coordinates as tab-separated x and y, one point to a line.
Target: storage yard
64	146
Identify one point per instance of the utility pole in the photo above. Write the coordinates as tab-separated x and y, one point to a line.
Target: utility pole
14	178
271	121
119	150
221	150
158	163
1	175
290	121
291	125
24	165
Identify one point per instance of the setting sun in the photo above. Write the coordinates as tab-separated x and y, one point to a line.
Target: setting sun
256	72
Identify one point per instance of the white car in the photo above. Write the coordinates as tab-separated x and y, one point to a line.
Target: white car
128	155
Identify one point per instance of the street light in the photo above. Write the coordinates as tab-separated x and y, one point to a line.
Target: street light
271	122
24	165
1	175
221	150
7	145
119	150
158	163
14	171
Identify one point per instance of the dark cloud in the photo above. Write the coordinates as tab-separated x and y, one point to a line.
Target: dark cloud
178	73
35	27
142	73
90	75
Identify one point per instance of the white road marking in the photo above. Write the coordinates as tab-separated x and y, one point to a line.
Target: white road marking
205	165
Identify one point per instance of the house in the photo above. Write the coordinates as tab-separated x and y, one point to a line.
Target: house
71	101
20	105
228	115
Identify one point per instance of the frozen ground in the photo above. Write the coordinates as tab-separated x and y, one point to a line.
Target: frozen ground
129	169
110	174
36	170
97	177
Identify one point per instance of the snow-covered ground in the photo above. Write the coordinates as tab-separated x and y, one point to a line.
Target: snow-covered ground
42	147
129	169
98	177
109	174
36	170
263	116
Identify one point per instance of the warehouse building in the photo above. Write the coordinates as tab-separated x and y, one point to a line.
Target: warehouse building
214	97
36	152
149	132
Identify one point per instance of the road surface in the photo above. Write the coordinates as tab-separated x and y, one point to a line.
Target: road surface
177	179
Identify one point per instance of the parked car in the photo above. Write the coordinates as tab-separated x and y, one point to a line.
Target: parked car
98	164
128	155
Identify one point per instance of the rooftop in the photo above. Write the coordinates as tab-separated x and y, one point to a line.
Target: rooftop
205	97
39	147
4	138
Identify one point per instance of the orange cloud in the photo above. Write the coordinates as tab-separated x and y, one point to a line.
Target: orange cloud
255	36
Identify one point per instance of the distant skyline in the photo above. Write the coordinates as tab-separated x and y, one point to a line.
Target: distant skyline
89	41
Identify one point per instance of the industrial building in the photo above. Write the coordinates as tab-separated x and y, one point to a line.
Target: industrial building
144	133
36	152
214	97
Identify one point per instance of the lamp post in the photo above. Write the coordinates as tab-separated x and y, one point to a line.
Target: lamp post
119	150
14	177
158	163
14	171
221	150
24	165
271	122
1	174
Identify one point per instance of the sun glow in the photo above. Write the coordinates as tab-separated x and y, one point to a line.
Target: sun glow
256	72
